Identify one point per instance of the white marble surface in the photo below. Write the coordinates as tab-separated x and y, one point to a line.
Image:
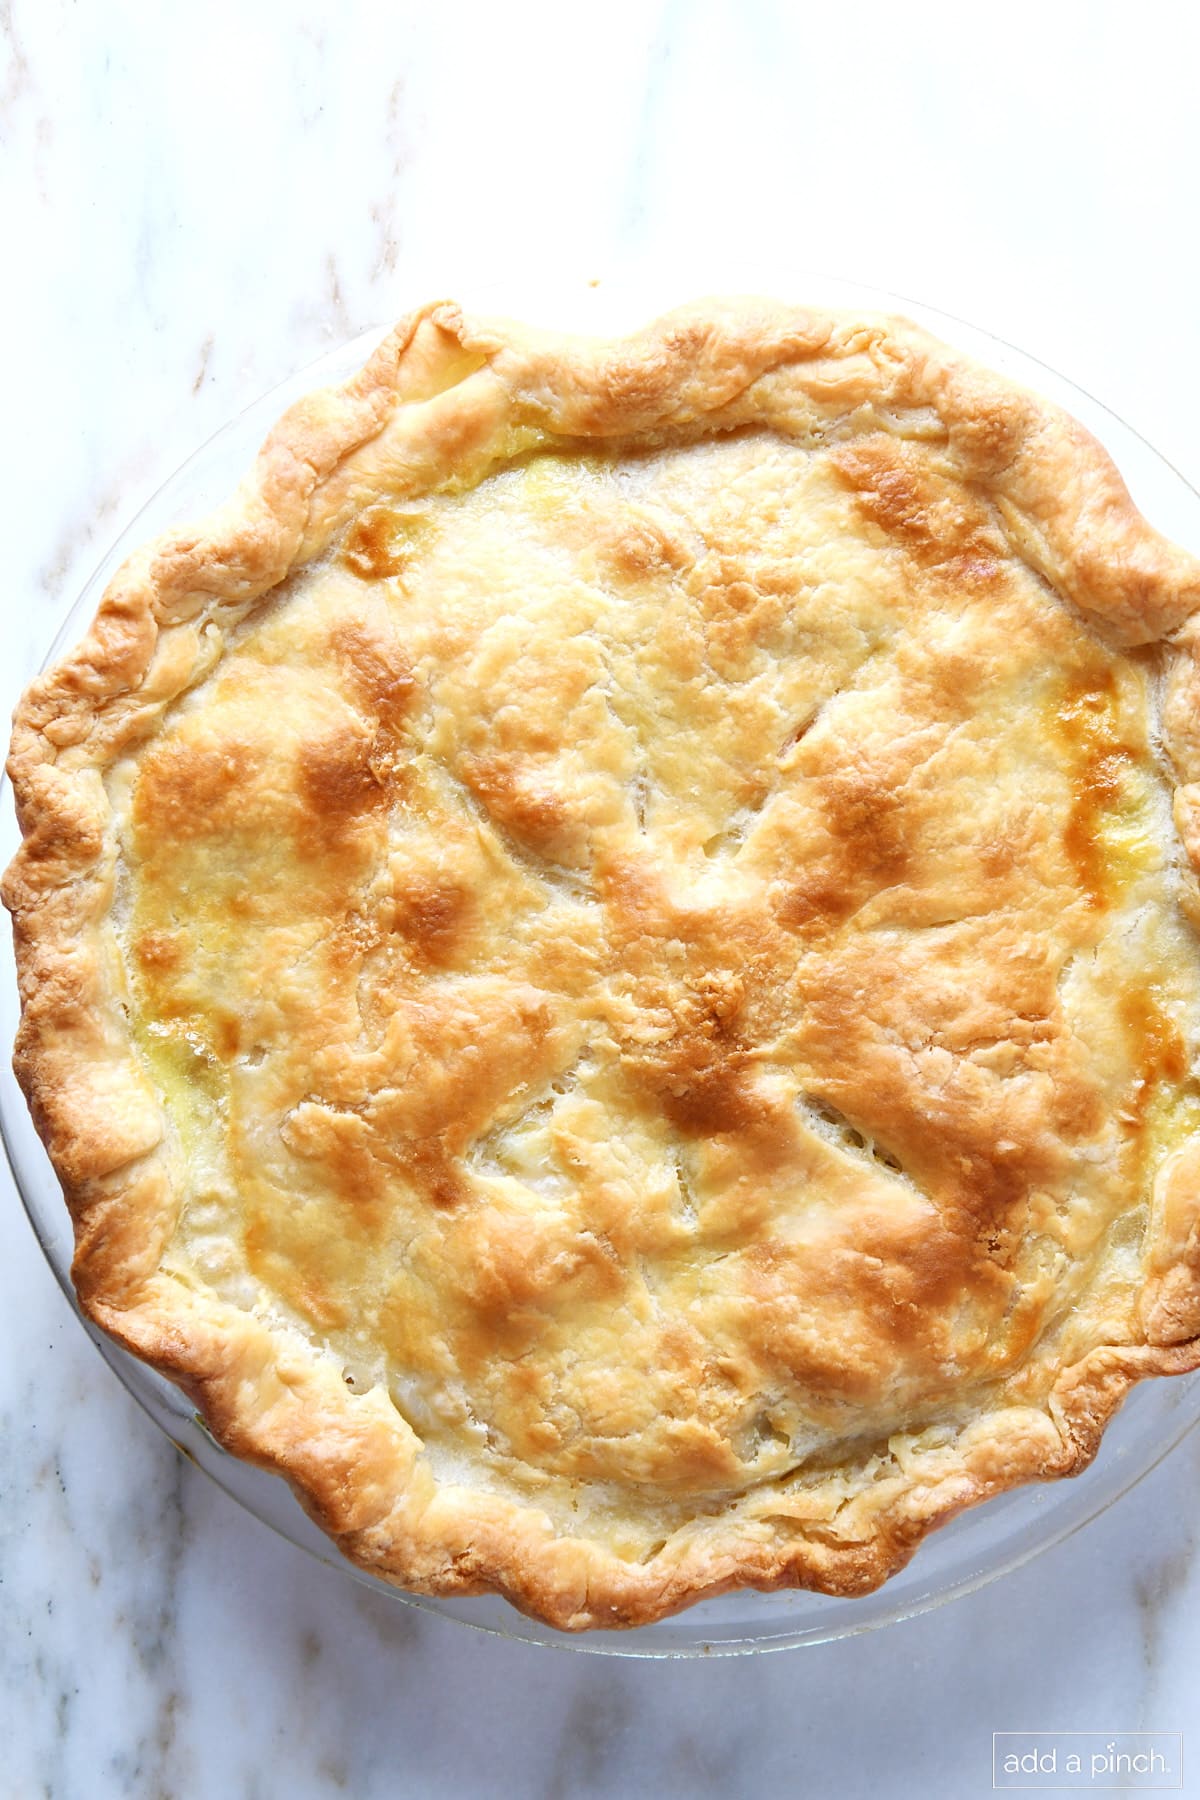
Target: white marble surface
195	202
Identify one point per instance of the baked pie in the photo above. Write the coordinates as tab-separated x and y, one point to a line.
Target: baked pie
608	954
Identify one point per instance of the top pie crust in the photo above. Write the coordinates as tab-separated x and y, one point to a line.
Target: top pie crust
607	954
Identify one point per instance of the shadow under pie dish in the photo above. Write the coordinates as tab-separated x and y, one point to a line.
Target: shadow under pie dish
606	955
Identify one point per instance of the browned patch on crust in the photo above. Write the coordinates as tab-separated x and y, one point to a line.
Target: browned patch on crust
359	1159
633	387
376	546
343	1144
935	519
158	952
785	1324
354	936
699	1068
733	593
1159	1055
891	1043
186	790
989	1191
687	1054
894	1286
814	900
516	1268
943	685
377	672
702	1077
512	792
867	850
1101	767
288	1274
1005	853
639	545
702	1088
431	917
866	814
433	1169
742	608
337	782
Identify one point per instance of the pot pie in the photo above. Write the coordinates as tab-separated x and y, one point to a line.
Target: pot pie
608	954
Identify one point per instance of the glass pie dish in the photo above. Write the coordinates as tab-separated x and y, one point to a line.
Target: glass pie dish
980	1544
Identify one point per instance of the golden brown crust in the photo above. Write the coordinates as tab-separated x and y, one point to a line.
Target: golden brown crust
872	1244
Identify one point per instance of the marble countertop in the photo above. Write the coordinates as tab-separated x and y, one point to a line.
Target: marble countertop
197	203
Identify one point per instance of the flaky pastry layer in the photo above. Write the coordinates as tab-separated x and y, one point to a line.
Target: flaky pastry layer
607	954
